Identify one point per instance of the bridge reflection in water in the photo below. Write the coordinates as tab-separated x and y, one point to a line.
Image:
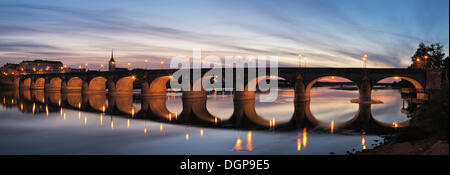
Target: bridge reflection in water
194	111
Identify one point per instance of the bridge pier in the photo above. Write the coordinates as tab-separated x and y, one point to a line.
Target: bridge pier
300	91
16	82
244	95
156	106
194	108
194	94
158	91
433	83
365	90
299	119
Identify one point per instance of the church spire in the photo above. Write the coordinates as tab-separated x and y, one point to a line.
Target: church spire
112	54
112	63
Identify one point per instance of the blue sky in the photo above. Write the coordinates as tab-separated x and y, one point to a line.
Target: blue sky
330	33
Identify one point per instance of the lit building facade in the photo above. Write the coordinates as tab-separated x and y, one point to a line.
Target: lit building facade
41	66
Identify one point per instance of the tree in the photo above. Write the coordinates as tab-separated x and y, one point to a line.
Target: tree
427	57
445	63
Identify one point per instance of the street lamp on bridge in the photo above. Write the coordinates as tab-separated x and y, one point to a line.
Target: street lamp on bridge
306	61
299	60
146	61
364	60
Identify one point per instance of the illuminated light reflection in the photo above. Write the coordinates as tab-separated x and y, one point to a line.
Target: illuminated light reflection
46	110
85	120
237	146
145	130
64	116
61	112
332	126
187	136
249	141
363	143
112	124
305	137
299	144
272	123
34	107
201	132
21	107
395	124
128	123
79	115
101	119
160	127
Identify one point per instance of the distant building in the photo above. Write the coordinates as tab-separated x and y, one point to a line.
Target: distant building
10	69
41	66
112	63
121	69
74	70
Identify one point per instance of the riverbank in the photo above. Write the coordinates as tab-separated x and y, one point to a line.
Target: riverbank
415	147
427	133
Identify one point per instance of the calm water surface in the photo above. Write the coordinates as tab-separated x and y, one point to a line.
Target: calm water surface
70	131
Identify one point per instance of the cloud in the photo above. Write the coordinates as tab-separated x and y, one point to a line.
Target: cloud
331	33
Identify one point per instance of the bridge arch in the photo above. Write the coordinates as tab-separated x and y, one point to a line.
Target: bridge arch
244	104
311	84
157	106
38	84
75	100
38	95
73	84
54	84
96	84
314	120
392	125
124	104
123	86
157	87
323	124
96	102
415	83
393	112
54	98
26	83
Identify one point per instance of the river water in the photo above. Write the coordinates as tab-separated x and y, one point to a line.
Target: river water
29	125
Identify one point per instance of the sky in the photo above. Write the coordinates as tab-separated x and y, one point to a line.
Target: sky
330	33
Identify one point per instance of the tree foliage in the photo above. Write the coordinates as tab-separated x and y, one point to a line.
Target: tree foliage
429	57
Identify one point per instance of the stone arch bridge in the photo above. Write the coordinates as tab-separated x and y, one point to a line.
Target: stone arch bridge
154	82
154	85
